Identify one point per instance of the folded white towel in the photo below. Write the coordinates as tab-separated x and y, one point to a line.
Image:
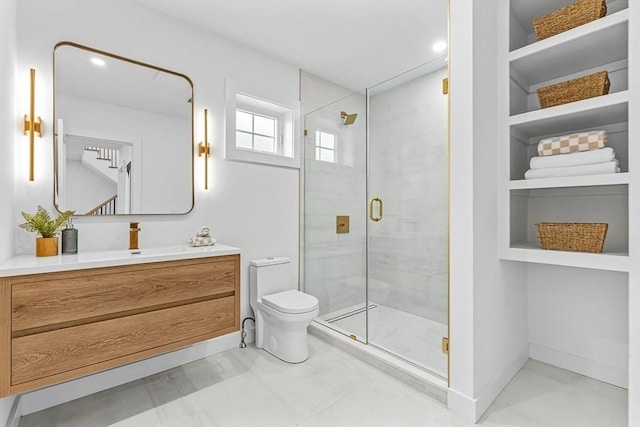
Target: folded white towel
577	158
595	169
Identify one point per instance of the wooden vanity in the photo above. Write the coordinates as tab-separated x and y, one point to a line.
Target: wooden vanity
68	322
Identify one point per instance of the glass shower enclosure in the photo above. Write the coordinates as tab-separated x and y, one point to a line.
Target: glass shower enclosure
376	215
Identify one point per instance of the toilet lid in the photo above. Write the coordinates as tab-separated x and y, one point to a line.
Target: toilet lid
291	301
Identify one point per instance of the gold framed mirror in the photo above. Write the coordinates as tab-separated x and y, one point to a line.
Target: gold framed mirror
123	135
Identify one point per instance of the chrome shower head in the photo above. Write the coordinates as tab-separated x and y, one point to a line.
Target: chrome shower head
349	119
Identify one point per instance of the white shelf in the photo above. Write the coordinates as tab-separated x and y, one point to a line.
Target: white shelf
530	252
591	45
571	181
588	113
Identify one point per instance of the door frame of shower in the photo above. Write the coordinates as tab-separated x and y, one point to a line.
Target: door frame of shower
301	224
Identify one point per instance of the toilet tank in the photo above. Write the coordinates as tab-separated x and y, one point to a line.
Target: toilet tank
268	276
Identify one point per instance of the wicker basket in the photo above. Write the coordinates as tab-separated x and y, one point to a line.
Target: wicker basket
590	86
569	17
575	237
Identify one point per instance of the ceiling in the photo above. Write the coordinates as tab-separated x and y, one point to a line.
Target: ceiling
355	43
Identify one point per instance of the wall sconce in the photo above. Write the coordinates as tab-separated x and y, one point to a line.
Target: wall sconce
32	124
205	148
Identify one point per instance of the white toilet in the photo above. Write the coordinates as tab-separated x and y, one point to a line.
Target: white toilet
282	314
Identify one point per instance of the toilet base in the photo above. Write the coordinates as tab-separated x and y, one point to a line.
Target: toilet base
286	339
291	348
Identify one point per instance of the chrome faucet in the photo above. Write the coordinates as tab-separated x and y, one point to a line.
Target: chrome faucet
133	235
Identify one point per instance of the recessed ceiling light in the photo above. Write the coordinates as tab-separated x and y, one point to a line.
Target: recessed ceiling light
439	46
99	62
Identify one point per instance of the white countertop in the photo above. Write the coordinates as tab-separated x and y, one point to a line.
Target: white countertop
29	264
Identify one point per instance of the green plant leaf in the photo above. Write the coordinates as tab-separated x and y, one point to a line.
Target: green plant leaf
41	222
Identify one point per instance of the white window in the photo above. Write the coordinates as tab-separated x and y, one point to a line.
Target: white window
325	147
260	131
256	132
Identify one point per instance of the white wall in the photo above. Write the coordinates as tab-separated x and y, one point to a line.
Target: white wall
578	320
316	92
250	206
500	345
8	134
488	318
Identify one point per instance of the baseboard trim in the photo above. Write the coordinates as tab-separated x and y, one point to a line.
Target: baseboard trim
580	365
60	393
16	412
462	404
473	408
490	393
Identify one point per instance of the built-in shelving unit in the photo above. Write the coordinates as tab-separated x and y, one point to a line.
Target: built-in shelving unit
598	45
604	44
582	309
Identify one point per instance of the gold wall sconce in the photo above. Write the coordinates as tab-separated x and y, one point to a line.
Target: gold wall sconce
32	124
204	148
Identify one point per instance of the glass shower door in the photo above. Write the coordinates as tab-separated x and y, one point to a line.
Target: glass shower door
334	238
407	223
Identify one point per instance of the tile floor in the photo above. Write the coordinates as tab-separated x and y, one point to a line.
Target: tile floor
250	388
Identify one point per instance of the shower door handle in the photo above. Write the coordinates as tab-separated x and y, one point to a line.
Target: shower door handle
371	202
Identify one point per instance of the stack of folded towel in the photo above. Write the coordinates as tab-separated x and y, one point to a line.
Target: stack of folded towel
572	155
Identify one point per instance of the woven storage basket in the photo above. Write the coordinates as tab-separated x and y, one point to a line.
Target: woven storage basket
569	17
590	86
575	237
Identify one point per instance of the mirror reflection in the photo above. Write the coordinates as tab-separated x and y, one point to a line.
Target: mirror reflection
124	135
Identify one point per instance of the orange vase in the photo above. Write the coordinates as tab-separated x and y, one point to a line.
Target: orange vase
46	246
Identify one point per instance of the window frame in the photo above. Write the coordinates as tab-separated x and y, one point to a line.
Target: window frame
287	116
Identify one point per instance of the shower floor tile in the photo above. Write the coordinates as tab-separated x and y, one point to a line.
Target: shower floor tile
413	338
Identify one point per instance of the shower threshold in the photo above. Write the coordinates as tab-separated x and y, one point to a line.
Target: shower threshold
422	380
414	339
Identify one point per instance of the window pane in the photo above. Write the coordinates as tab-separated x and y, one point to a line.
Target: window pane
327	155
264	126
243	140
327	140
243	121
263	143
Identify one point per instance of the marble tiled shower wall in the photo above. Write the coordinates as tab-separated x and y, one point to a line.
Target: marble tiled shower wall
408	259
408	249
334	264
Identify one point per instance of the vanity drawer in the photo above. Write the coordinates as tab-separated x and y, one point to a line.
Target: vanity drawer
46	302
107	343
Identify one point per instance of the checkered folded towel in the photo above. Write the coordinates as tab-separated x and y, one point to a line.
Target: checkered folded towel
583	141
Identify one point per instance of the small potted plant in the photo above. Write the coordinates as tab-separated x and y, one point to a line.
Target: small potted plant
48	228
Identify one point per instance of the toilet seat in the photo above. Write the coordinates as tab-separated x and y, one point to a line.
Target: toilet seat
291	301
